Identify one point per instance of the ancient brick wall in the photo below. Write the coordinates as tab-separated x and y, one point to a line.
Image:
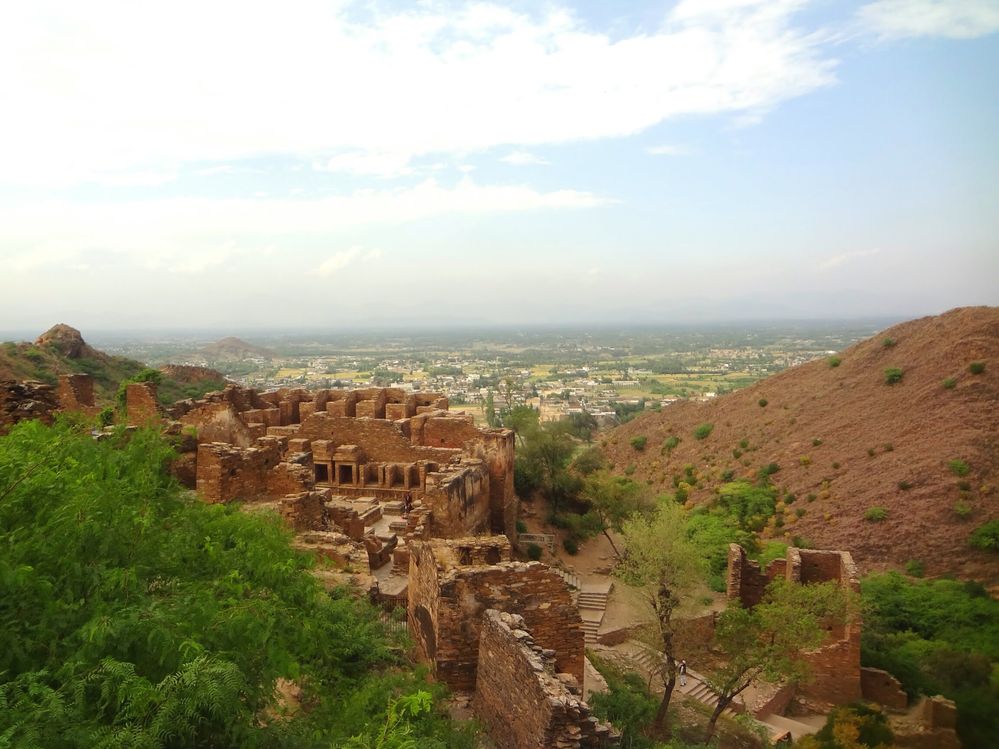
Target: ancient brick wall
141	405
20	401
458	501
519	698
218	422
382	440
76	393
227	473
746	582
447	596
881	687
305	511
834	667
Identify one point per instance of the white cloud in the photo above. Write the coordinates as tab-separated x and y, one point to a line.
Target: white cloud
955	19
192	235
837	260
668	150
340	260
376	164
523	158
100	88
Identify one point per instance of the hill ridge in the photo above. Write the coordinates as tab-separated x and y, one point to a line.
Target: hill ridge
840	433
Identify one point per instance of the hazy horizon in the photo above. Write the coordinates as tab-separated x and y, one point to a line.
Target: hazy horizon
348	166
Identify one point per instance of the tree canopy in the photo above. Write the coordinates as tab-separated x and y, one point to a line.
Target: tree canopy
134	615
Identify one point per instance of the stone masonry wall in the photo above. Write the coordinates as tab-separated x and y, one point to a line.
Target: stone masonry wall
880	686
835	667
76	393
447	597
141	405
520	699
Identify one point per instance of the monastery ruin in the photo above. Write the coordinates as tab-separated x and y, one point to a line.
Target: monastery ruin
417	504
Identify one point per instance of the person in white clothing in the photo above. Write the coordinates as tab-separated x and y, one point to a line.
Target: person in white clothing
683	673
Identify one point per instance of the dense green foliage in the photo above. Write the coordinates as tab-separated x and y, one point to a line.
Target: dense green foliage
937	637
627	704
850	727
133	615
986	536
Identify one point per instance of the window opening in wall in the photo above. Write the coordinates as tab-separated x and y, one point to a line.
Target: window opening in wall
464	555
345	474
492	555
322	473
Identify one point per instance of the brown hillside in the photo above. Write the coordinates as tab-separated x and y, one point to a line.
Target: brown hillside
913	428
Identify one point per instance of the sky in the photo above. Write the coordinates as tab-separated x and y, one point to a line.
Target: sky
333	165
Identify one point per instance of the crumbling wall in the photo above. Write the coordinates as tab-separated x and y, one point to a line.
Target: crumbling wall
382	440
450	588
459	500
20	401
520	699
834	667
936	726
76	393
218	422
880	686
226	473
141	404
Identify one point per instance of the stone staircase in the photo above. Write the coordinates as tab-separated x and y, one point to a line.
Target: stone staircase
592	603
696	688
570	578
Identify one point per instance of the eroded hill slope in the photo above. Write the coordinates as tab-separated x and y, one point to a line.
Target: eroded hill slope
846	441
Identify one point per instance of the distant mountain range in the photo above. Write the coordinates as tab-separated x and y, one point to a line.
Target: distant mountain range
906	421
235	349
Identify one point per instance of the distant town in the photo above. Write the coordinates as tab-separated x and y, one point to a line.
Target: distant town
609	375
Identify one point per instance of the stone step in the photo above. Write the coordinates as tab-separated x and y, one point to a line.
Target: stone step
590	629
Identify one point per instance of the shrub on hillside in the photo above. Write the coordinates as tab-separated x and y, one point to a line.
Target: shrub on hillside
950	383
893	375
639	443
958	467
763	402
986	536
976	367
533	552
571	546
834	361
875	514
888	342
703	430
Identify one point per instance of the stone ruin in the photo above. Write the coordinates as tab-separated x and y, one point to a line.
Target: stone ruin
520	696
509	633
835	666
837	676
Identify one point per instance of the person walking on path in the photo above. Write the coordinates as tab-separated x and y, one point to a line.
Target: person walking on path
683	673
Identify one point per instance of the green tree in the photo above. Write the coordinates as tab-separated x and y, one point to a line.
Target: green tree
490	410
523	420
767	640
132	614
611	501
661	561
546	456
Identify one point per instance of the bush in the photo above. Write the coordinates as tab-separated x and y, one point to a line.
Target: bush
571	546
888	342
964	486
893	375
728	475
670	443
915	568
767	471
962	509
627	703
137	615
703	430
986	536
816	442
876	514
958	467
868	723
534	552
639	443
744	444
888	447
904	485
763	402
976	367
834	361
521	526
950	383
